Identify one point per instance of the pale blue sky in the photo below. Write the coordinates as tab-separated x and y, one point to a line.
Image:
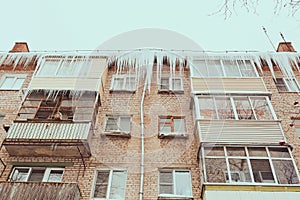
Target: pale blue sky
79	25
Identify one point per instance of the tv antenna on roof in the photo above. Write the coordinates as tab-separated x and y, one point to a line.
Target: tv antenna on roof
265	31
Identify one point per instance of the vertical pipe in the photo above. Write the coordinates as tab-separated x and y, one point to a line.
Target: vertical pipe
142	141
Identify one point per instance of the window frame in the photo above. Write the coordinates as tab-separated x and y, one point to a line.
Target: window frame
47	173
285	84
170	88
126	80
296	124
222	68
172	125
56	108
109	184
59	63
233	108
119	131
16	77
173	171
268	157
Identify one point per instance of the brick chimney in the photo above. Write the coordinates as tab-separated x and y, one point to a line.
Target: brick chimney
20	47
285	47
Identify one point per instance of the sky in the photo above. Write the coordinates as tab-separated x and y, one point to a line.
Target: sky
84	25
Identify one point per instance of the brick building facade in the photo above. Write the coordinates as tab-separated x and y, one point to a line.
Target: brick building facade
79	126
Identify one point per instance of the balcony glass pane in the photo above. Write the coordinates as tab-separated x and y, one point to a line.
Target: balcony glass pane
285	172
215	168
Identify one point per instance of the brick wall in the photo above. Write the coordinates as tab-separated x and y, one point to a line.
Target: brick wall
283	104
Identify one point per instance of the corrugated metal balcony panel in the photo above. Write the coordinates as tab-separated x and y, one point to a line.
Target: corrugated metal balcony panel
240	131
37	190
48	131
228	84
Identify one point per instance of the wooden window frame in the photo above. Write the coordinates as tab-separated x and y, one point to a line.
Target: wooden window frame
126	80
55	111
109	183
15	77
174	195
170	86
172	125
284	83
124	133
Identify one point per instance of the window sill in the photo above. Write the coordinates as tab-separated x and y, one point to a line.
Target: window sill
173	198
170	91
172	135
9	89
122	91
296	92
117	134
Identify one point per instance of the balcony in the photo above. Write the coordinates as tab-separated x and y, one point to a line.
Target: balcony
39	190
49	138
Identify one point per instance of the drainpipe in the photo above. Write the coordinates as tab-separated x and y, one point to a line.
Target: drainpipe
142	140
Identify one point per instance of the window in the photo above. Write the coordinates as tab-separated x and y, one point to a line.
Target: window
235	107
118	124
223	68
296	123
59	106
171	125
170	84
123	83
175	183
110	184
63	67
287	85
12	82
256	165
1	117
37	174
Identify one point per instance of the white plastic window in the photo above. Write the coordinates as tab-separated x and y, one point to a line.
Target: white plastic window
37	174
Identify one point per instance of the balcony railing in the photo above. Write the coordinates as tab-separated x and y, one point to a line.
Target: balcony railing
39	190
56	138
240	131
245	85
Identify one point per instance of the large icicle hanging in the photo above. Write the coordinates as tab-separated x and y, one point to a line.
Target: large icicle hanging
141	62
16	59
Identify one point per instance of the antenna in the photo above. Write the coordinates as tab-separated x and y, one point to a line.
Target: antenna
288	46
265	31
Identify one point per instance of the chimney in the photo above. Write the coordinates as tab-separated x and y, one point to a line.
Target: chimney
20	47
285	47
